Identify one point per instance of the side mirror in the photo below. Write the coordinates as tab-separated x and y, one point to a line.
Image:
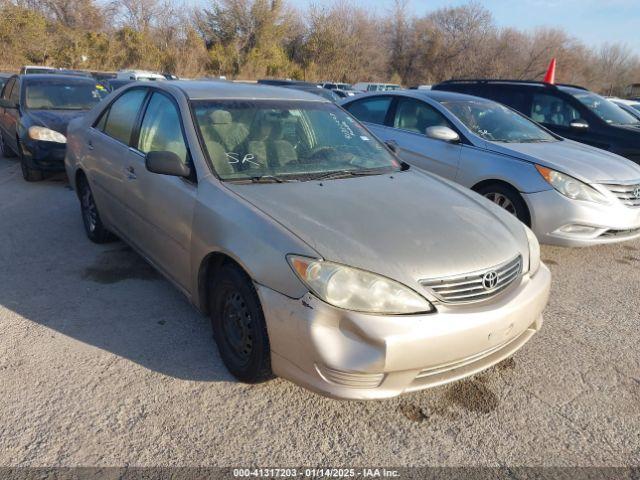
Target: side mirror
579	124
4	103
167	163
442	133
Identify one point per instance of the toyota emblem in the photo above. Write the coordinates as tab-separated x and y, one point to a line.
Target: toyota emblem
636	192
490	280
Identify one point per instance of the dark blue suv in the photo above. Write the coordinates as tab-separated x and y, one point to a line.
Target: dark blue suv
568	110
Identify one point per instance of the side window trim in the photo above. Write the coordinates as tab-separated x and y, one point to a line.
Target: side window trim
391	111
8	88
16	86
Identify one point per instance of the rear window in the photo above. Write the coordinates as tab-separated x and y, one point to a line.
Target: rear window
55	95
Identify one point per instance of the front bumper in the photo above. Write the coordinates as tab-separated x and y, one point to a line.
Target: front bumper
553	216
48	156
351	355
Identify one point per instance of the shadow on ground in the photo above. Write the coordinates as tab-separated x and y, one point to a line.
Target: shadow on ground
102	295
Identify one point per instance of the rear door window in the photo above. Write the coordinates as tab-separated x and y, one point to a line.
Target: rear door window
371	110
122	115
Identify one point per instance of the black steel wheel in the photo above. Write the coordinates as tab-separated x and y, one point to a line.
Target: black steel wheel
238	325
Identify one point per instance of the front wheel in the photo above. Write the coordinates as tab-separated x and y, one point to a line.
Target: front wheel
28	173
93	226
507	198
238	325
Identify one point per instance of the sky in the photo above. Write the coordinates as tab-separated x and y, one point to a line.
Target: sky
593	21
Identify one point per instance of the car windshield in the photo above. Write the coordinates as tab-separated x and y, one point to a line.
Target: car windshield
496	123
282	140
605	109
53	95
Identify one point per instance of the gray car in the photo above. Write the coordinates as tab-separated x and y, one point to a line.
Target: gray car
569	193
318	256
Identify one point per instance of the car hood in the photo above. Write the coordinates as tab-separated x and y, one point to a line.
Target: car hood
57	120
407	226
584	162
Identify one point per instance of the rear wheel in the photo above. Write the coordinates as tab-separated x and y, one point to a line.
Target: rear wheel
5	149
93	226
239	327
28	173
508	198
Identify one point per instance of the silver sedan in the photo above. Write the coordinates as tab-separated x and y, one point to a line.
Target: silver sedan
569	193
318	256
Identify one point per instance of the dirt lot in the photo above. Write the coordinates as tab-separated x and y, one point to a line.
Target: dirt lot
102	362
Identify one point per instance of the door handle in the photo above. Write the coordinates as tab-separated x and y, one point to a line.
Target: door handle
90	145
131	173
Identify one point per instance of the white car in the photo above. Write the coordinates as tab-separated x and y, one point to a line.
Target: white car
376	87
138	75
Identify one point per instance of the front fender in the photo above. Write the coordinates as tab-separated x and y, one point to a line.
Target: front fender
225	223
478	165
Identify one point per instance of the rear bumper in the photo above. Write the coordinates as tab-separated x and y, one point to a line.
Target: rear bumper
350	355
558	220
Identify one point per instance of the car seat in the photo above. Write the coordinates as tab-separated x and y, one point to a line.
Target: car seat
221	128
408	117
36	98
537	115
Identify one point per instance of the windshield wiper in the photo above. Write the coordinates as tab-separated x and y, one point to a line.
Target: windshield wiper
267	179
335	174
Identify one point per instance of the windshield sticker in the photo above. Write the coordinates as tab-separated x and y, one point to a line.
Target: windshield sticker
234	158
365	138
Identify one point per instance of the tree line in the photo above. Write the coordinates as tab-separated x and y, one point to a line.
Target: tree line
251	39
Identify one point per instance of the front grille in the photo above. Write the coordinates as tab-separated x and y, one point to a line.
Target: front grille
627	194
476	286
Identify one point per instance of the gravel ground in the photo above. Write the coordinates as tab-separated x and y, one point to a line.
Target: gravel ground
104	363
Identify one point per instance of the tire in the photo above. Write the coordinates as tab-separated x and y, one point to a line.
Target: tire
6	149
238	325
28	173
507	198
93	226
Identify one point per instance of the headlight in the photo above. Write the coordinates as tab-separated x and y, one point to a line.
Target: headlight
534	251
570	187
46	135
355	289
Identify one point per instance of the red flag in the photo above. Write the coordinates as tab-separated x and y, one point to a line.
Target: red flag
550	77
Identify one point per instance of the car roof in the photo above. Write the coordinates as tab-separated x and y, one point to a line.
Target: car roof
212	90
437	95
498	81
57	76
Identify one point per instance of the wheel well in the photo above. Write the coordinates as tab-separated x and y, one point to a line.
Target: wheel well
485	183
208	268
79	176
